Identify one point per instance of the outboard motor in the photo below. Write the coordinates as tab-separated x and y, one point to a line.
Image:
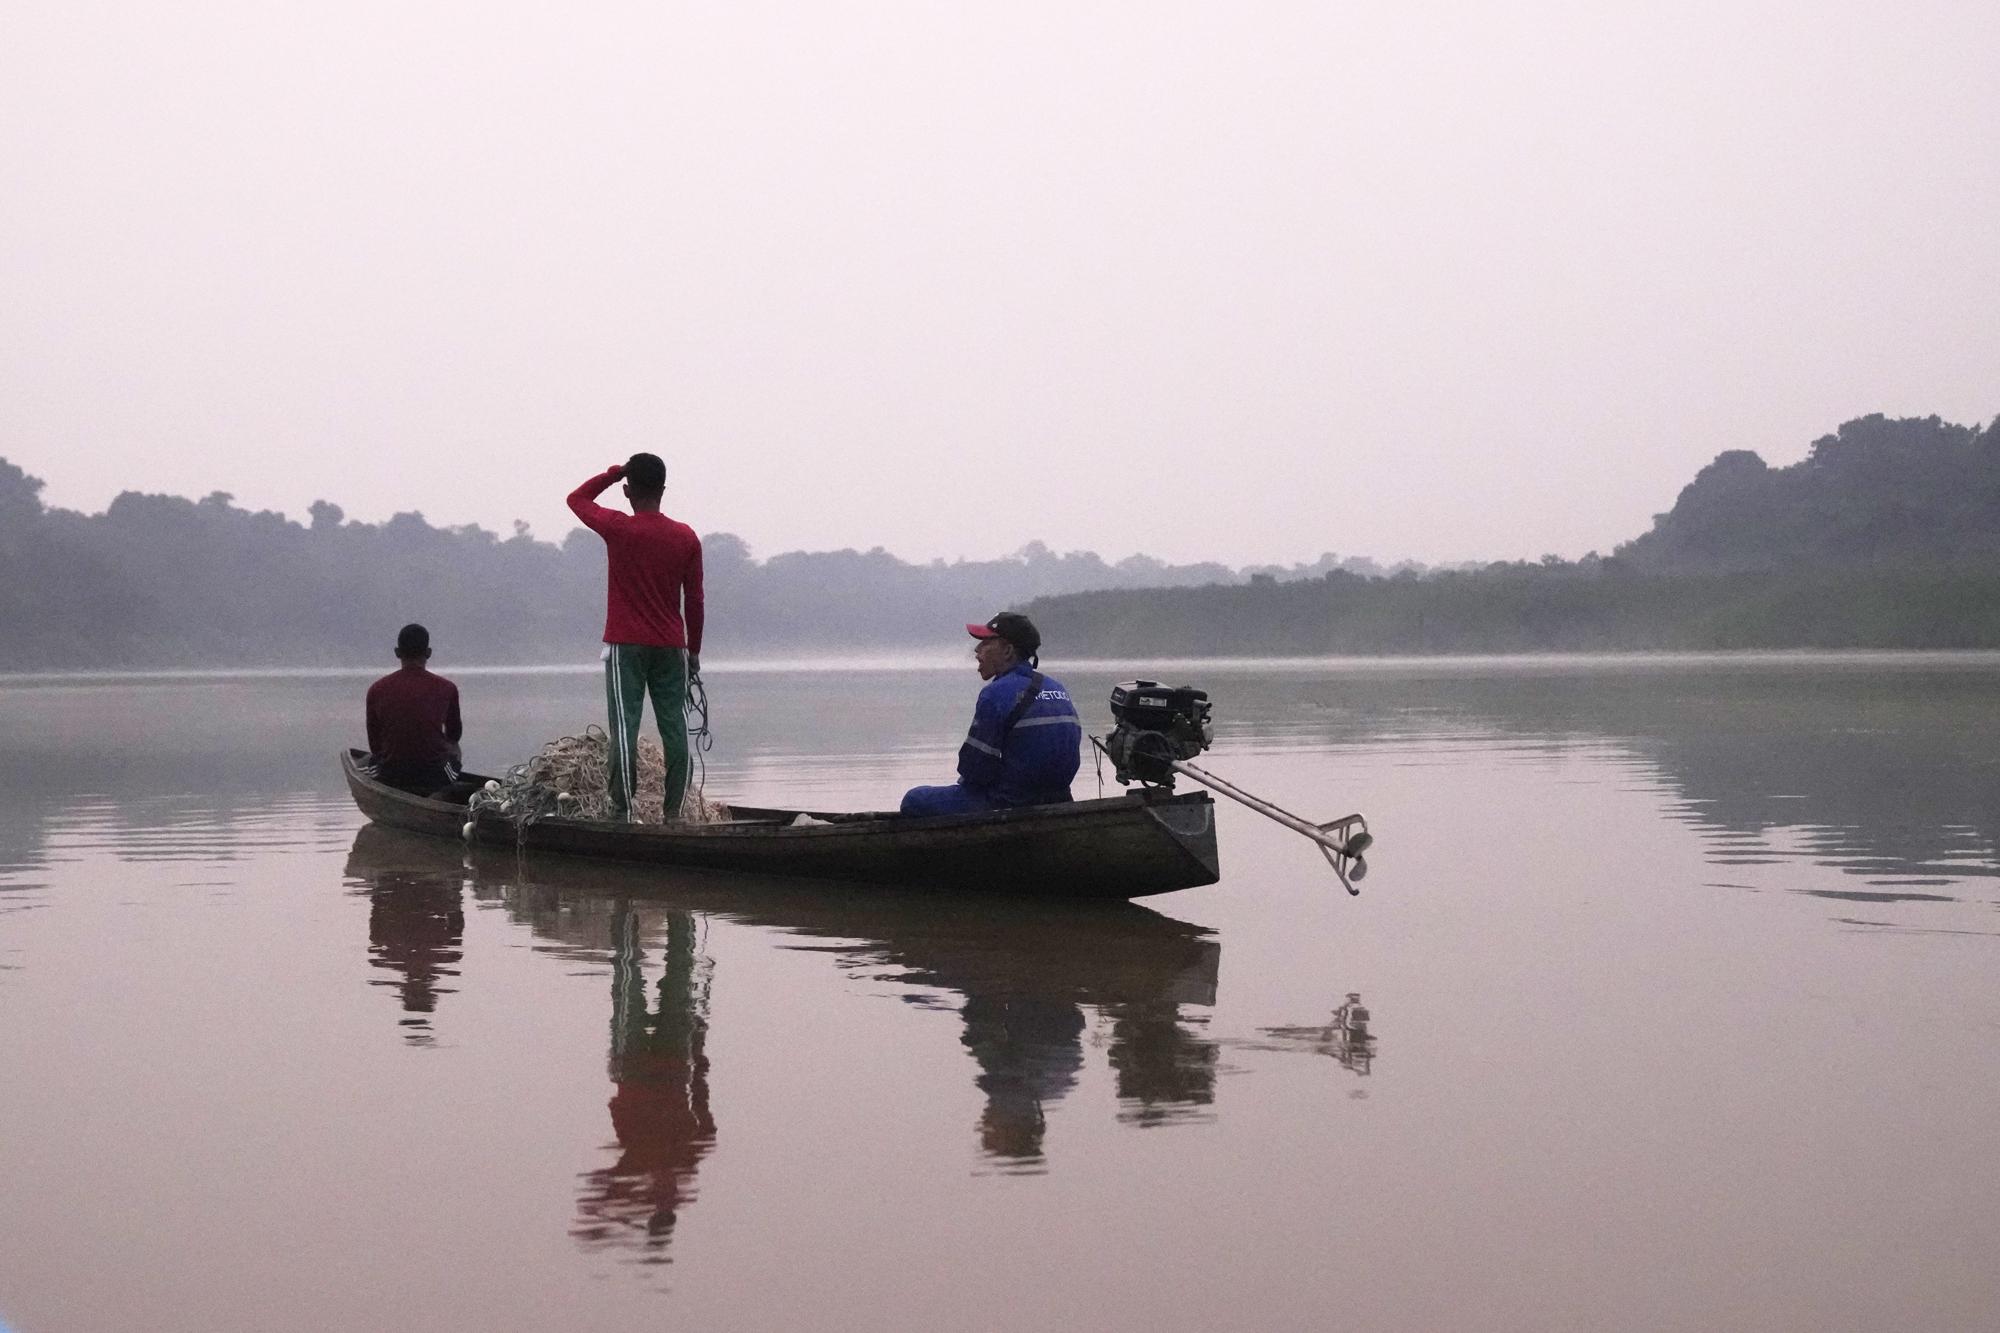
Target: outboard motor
1161	728
1157	724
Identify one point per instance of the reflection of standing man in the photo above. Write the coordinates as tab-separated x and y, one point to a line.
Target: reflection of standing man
659	1102
652	622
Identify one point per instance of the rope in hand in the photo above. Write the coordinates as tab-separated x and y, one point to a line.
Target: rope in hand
700	738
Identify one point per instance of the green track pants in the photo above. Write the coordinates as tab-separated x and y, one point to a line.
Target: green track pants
631	672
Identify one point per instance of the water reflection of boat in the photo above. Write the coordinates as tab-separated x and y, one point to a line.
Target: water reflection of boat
1127	846
1025	971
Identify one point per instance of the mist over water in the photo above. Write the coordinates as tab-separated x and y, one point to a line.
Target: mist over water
1668	1004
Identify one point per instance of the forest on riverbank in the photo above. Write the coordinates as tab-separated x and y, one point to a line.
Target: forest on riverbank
1886	535
161	581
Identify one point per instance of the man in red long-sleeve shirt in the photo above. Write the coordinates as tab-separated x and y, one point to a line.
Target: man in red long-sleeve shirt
413	722
652	621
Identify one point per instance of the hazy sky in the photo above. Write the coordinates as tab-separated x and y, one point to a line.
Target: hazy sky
1245	281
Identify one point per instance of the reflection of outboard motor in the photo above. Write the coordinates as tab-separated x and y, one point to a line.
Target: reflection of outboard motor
1156	725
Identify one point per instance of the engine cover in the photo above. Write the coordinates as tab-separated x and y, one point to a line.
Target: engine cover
1157	724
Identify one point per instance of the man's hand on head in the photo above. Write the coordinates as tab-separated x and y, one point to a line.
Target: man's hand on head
615	471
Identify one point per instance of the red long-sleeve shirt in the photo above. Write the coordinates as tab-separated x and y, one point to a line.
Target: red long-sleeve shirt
412	717
653	591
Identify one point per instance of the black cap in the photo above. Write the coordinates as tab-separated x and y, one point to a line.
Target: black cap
1015	628
413	641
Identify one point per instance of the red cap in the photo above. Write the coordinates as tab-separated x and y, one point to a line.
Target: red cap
1012	626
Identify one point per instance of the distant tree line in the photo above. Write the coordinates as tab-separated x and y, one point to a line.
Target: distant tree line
163	581
1887	535
1571	607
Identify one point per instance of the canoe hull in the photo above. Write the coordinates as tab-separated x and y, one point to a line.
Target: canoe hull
1120	847
398	809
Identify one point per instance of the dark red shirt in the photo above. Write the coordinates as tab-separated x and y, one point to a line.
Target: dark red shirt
412	717
653	592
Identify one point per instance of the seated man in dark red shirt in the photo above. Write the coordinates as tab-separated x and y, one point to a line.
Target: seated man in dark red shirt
413	724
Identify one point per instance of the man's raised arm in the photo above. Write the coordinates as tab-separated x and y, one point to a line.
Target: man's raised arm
583	500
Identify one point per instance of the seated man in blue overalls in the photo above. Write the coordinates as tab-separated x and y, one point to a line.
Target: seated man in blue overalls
1025	743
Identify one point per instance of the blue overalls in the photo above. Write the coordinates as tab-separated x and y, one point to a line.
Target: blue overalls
1024	757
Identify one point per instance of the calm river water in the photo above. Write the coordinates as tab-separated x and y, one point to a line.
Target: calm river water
1672	1002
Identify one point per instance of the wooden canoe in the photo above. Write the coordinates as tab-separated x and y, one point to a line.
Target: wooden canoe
1128	846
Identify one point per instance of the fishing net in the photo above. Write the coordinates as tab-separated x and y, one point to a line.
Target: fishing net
571	777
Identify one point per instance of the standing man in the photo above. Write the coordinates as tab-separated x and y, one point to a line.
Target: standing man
1026	741
413	722
652	621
